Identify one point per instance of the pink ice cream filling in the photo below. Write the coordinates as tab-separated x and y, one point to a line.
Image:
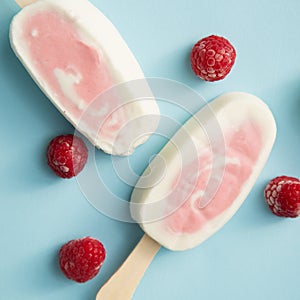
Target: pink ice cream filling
242	149
72	69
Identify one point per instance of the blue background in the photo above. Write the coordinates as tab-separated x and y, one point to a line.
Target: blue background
255	256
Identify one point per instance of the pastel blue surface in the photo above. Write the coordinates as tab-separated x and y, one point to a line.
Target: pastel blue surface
255	256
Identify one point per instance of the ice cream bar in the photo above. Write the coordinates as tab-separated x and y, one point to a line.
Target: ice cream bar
80	61
205	172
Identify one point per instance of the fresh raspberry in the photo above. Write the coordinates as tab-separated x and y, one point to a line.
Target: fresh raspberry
80	260
67	155
212	58
283	196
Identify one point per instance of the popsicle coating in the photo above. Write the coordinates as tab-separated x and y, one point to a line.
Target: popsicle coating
79	59
209	167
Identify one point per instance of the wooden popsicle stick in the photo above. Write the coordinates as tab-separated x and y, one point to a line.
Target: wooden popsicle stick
122	284
23	3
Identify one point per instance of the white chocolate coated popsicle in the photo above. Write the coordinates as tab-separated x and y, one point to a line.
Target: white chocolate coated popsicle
76	55
210	166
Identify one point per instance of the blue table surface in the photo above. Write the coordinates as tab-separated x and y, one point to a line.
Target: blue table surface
254	256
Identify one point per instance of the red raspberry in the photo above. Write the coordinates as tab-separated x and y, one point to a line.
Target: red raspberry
81	260
283	196
212	58
67	155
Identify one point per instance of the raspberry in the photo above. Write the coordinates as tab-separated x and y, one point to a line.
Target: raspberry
282	194
212	58
67	155
80	260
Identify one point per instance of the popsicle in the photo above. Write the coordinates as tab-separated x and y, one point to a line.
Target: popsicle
210	166
80	61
